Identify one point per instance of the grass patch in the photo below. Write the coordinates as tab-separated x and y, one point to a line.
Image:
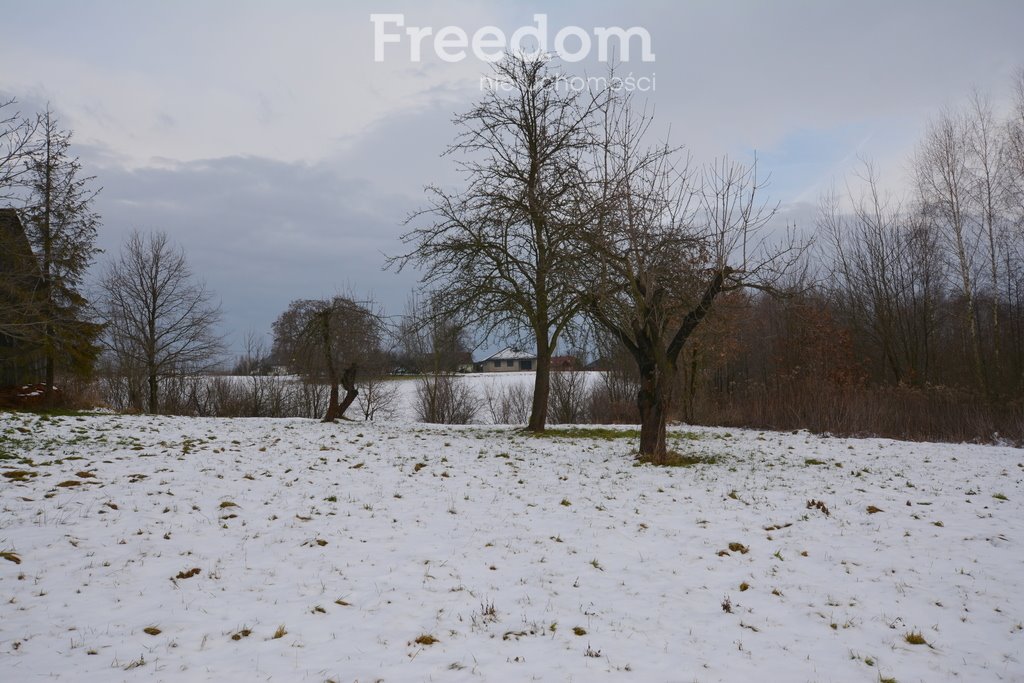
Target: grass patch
19	475
10	557
281	632
426	639
605	433
677	459
915	638
579	630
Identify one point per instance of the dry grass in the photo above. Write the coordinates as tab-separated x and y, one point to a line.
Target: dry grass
915	638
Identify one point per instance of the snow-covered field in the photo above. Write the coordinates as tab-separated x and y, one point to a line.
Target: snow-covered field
291	550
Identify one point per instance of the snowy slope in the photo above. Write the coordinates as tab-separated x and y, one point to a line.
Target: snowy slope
360	538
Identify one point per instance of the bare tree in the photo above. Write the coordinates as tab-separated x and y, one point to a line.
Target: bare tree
988	153
1014	148
429	340
670	241
330	340
17	142
160	321
1014	254
378	396
945	184
886	276
500	249
254	364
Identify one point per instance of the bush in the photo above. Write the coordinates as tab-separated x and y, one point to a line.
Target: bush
613	397
444	399
508	403
567	402
377	397
900	412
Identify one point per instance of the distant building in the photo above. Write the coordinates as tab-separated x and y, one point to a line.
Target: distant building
21	360
508	360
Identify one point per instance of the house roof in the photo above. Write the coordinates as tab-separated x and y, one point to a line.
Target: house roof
509	353
16	253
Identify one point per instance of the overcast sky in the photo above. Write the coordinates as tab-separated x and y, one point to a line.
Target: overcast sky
268	142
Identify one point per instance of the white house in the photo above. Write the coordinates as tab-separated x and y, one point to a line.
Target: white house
508	360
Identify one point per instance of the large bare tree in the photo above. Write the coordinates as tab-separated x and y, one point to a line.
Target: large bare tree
671	240
161	321
499	250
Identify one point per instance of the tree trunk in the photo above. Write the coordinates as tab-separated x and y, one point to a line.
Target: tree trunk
49	375
332	405
347	380
652	400
324	318
152	394
541	389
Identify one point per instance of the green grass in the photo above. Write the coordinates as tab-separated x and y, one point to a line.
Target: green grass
46	412
605	433
676	459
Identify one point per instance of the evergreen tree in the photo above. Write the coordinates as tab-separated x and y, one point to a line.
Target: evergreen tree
61	226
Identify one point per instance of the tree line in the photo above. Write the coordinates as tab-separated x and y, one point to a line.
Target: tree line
574	227
571	218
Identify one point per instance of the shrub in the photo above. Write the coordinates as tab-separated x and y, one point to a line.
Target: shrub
444	399
508	403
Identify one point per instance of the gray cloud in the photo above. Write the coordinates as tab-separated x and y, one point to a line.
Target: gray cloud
263	232
265	139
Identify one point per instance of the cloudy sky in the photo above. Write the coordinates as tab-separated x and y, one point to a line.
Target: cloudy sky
266	140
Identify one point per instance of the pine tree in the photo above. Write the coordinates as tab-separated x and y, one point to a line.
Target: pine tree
61	226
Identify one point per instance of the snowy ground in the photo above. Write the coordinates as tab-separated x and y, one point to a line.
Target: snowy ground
526	558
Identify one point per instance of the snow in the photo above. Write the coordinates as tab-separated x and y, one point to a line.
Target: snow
359	538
